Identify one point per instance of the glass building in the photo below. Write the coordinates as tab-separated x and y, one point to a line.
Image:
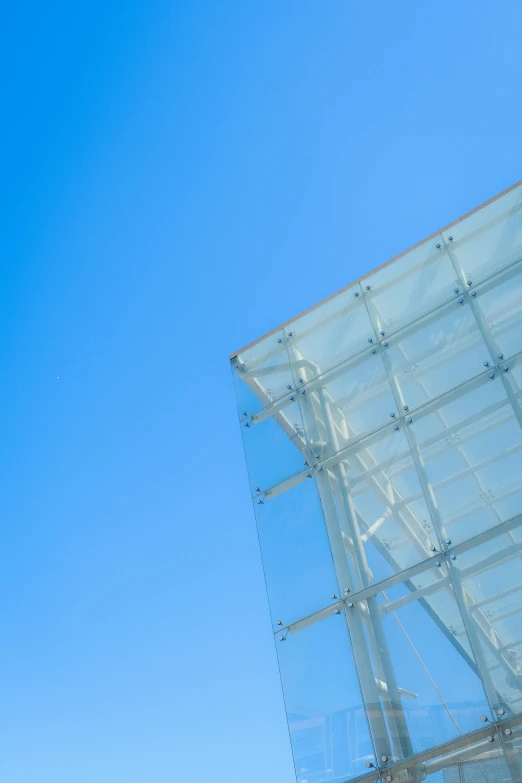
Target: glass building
383	437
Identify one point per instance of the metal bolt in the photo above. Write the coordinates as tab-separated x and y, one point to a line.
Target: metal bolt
367	287
405	407
447	541
373	350
437	563
292	398
302	391
450	239
432	548
508	732
456	290
382	333
370	339
260	502
388	778
279	341
369	765
333	595
290	334
491	739
288	387
486	364
349	605
473	293
247	424
280	622
491	374
396	427
385	345
501	712
468	282
410	420
356	293
337	611
505	367
460	300
437	245
244	413
384	758
453	557
392	415
320	467
484	718
500	355
281	638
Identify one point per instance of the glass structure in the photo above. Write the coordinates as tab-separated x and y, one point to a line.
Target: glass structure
383	437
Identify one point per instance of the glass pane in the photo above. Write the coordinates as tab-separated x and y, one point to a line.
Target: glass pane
275	446
429	685
375	497
437	353
500	304
488	578
297	562
512	741
262	374
482	761
488	240
329	334
346	404
470	445
413	284
328	728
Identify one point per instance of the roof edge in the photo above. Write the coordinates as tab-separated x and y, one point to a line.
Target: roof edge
371	272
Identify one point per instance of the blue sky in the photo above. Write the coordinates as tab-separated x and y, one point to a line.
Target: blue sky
179	178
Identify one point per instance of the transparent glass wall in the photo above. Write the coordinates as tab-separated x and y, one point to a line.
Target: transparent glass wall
383	436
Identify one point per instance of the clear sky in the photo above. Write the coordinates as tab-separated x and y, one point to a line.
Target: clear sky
179	178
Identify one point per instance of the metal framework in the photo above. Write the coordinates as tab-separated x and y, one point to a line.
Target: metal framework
406	414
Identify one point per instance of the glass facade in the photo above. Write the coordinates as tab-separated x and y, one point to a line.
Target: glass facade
383	437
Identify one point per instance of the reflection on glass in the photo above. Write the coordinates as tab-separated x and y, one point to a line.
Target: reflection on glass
487	579
297	562
488	240
374	494
431	690
470	445
328	335
436	353
482	761
410	286
328	725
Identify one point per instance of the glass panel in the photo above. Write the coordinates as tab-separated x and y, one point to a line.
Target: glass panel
470	445
488	240
488	578
411	285
436	354
346	404
429	685
500	304
327	721
329	334
512	741
274	445
375	496
483	761
297	562
262	374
